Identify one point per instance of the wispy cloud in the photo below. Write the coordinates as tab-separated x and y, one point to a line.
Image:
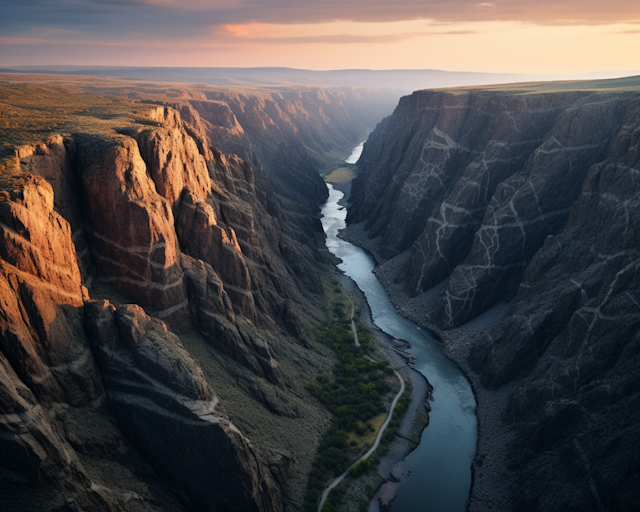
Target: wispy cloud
238	38
255	33
120	16
511	33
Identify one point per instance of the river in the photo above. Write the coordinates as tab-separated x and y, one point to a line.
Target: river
440	467
355	154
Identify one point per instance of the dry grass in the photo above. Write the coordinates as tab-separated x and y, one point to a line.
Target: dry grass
30	113
369	437
341	174
627	84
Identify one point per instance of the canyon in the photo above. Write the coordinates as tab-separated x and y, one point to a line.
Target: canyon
161	258
505	220
163	263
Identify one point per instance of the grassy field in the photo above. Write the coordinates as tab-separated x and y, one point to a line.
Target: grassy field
341	174
29	114
369	437
627	84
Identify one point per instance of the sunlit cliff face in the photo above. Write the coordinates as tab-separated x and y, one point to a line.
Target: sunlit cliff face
498	36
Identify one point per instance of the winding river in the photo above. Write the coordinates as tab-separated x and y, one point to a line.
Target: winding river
440	467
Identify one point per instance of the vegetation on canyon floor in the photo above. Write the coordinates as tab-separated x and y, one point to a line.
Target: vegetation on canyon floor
341	174
357	394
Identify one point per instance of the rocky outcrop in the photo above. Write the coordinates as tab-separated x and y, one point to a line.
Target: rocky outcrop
122	206
572	342
147	279
473	184
132	236
321	124
44	357
214	317
290	135
478	198
42	336
157	392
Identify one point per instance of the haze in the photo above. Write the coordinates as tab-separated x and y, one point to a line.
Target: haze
499	36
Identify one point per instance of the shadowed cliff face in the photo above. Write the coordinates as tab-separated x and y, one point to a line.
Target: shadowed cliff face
477	198
472	184
158	393
572	340
102	407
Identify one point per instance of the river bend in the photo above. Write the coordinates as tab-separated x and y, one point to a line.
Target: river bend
441	464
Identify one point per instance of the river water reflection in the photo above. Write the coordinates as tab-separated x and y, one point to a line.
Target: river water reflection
441	465
355	154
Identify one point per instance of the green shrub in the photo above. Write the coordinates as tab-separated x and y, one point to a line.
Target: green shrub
353	394
359	468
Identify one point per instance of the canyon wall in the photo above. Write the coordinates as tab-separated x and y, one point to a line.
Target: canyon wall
292	135
506	219
154	332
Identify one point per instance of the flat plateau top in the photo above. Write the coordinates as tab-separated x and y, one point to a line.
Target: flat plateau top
627	84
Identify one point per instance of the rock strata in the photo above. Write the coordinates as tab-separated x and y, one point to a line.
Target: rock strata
526	201
44	356
157	392
157	292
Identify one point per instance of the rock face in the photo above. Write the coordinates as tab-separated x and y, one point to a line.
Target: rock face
291	135
102	407
44	356
157	392
132	237
476	198
133	242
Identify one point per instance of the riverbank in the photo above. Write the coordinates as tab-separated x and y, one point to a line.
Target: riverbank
491	483
440	465
382	484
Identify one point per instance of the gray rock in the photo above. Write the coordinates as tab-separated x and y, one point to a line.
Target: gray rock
532	199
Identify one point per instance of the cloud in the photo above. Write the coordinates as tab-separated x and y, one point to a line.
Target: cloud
176	16
346	38
327	33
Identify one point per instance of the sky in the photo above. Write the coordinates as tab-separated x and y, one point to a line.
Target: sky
506	36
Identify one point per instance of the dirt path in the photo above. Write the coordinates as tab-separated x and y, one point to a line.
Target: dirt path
337	481
353	325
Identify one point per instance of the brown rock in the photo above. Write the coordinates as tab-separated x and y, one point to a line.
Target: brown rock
214	318
133	241
40	316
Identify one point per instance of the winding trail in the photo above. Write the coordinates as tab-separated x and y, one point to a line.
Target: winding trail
353	325
337	481
441	464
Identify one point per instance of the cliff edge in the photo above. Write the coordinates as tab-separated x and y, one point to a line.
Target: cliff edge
505	218
157	293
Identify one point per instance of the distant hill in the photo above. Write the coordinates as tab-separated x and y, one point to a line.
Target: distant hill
403	80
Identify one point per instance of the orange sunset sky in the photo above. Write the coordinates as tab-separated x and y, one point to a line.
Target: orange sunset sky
516	36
